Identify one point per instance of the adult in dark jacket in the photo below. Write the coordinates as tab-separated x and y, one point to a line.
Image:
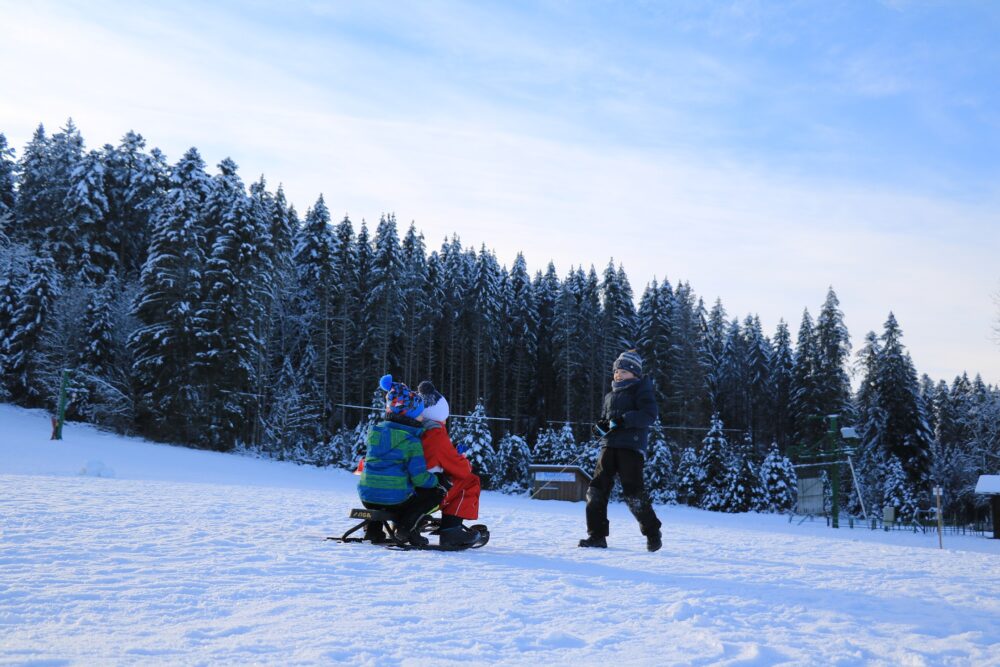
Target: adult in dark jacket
629	411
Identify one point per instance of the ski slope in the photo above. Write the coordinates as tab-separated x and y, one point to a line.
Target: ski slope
118	551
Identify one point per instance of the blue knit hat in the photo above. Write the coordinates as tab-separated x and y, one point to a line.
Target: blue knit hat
629	361
400	399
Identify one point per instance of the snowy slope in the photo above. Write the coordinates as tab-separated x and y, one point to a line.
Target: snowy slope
188	557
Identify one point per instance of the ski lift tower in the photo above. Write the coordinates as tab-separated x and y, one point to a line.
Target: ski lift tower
833	450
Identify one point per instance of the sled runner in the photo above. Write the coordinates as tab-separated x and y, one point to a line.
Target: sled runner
397	541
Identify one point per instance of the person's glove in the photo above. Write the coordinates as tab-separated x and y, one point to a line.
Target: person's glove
601	428
613	424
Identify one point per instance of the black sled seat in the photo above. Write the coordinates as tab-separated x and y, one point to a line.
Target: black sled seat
429	524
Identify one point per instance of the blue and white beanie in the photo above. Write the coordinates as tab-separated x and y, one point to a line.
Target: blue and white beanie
629	361
435	405
400	399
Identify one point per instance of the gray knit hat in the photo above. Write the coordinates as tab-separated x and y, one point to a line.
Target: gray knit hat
629	361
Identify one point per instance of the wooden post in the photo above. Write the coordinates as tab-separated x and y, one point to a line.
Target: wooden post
995	502
940	519
57	426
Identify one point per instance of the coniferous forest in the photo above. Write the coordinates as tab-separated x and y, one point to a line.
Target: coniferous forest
192	308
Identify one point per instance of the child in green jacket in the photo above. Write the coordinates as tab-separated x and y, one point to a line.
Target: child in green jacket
395	476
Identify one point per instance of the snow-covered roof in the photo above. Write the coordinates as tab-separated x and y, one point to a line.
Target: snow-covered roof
989	485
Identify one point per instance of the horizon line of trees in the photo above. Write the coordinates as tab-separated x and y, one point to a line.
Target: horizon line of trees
192	308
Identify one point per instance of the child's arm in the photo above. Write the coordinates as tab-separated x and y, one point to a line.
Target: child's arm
416	465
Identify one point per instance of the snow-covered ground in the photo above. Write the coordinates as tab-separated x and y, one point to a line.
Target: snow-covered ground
119	551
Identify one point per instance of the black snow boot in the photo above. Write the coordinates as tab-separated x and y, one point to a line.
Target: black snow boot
654	541
595	541
453	534
375	532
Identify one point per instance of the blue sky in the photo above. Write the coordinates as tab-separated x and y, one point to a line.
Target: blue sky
762	151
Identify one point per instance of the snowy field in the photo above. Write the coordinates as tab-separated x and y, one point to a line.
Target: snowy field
118	551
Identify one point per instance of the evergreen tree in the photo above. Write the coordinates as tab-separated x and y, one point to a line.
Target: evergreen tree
313	259
714	460
659	469
896	490
619	331
744	492
522	352
901	426
779	482
567	451
689	400
8	193
239	275
478	446
485	315
134	185
385	297
87	208
22	356
833	349
345	313
165	345
567	352
415	305
780	385
654	336
546	444
711	352
805	405
690	478
513	460
546	289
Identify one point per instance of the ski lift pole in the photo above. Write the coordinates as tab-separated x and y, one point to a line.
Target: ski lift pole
61	414
857	487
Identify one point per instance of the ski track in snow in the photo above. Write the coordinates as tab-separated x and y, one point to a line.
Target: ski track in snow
160	564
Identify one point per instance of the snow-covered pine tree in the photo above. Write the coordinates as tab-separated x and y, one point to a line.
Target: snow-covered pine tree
780	385
344	313
619	327
744	492
522	345
654	336
566	349
833	350
591	315
8	192
757	366
898	424
688	402
134	184
95	359
86	205
778	481
566	450
546	290
385	297
364	322
659	468
545	449
513	459
22	351
239	275
313	260
477	443
485	320
415	304
710	354
165	345
714	460
805	399
690	478
896	490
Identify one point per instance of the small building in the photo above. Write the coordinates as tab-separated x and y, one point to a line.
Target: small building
989	485
558	482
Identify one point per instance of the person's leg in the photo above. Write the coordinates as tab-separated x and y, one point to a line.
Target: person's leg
630	468
413	509
462	499
375	530
597	499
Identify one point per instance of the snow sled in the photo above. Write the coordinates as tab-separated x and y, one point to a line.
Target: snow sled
429	524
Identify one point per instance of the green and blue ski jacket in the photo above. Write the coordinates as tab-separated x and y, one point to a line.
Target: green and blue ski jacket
394	464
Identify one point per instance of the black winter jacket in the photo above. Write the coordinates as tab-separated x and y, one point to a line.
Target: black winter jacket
633	409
